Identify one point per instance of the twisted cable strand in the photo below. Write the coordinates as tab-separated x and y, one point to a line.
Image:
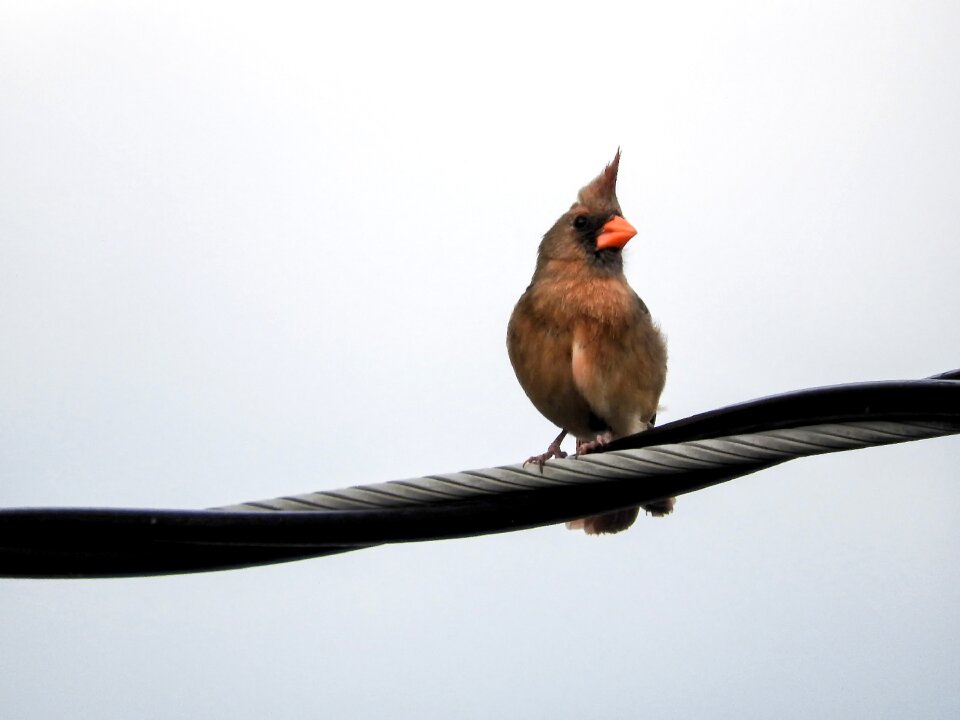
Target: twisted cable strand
734	451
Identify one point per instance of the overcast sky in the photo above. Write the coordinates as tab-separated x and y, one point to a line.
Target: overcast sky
258	250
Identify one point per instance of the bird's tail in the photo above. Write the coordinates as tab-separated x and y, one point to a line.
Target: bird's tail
620	520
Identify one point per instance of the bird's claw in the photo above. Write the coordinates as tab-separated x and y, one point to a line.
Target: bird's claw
553	451
588	446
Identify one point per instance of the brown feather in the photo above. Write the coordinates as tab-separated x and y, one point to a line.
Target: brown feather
581	342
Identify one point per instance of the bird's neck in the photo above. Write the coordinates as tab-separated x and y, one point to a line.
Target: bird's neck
560	269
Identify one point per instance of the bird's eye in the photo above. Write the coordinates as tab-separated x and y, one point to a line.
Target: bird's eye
580	222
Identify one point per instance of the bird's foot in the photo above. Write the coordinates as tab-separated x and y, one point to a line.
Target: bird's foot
589	446
553	451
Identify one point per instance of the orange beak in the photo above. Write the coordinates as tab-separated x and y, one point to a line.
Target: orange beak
615	233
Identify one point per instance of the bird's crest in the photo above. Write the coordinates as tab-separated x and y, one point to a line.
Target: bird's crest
602	190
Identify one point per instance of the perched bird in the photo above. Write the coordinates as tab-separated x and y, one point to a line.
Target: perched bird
582	342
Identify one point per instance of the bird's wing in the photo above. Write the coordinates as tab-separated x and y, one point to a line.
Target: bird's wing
641	303
620	374
540	352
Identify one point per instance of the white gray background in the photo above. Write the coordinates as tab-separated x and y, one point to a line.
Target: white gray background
252	250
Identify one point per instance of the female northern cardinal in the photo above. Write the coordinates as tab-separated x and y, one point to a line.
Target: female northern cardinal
581	341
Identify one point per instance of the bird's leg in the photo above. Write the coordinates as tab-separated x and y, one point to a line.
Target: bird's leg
553	450
589	446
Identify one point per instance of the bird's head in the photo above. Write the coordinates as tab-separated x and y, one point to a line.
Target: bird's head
593	229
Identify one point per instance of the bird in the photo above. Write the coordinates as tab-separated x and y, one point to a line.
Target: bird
583	344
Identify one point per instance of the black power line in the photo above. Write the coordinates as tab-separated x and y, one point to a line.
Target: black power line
674	459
